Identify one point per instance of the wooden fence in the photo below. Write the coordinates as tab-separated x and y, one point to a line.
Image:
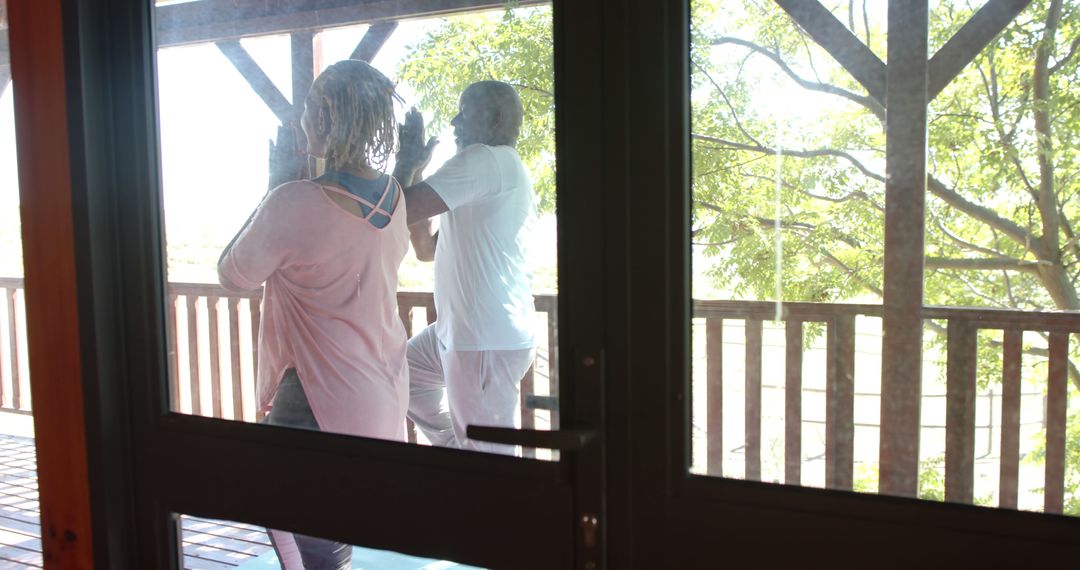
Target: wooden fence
212	361
962	328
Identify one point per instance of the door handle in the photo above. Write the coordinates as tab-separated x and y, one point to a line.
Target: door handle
562	440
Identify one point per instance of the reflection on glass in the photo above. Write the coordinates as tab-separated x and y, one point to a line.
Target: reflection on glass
788	215
312	302
213	543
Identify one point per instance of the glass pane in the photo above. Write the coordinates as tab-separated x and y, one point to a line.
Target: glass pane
788	245
1002	136
323	286
20	530
209	543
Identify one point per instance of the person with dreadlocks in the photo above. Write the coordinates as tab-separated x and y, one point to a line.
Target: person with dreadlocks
331	345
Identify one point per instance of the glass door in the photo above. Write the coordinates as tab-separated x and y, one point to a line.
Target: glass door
837	385
215	348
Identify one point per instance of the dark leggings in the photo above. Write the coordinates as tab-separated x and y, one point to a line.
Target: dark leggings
291	409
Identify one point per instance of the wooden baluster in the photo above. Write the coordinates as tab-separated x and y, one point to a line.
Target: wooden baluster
255	306
1010	419
714	395
840	403
174	344
405	313
753	399
528	415
13	334
430	308
234	357
1056	399
960	412
553	357
10	351
793	363
193	352
215	355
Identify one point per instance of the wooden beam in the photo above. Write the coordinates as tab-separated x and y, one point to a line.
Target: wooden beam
969	41
257	78
217	20
847	49
373	41
52	288
905	228
303	67
962	361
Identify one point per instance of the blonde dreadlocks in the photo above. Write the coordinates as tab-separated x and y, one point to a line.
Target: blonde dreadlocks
359	101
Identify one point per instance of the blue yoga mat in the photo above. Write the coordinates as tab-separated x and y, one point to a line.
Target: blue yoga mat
368	559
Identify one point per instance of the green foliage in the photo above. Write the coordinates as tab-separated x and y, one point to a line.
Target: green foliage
984	150
1072	461
932	479
514	46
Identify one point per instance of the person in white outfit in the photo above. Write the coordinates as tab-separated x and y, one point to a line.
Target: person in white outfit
481	344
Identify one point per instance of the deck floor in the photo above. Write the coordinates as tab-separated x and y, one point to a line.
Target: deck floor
208	545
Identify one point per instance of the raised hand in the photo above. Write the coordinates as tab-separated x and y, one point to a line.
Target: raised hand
413	153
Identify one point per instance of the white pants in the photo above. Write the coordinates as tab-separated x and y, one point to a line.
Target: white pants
452	389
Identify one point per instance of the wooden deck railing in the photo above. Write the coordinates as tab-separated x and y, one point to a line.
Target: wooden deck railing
963	326
213	366
13	395
212	370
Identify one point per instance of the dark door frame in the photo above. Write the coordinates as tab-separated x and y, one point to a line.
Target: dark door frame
145	463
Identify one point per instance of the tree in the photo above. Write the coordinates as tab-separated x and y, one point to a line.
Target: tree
1002	192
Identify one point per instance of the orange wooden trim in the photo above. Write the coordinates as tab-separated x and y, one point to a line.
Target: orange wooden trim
41	127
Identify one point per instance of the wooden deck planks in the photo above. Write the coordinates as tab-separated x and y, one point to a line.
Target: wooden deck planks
207	544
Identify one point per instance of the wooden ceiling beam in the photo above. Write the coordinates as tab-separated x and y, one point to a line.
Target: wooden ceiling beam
218	20
970	40
260	82
866	67
373	41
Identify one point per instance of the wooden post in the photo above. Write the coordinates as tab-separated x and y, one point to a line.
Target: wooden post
753	399
960	412
1010	419
840	403
905	196
793	363
52	299
714	395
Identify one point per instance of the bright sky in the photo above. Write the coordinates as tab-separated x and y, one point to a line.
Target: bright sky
215	133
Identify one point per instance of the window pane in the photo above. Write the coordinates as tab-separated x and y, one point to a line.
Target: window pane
301	307
209	543
788	247
20	531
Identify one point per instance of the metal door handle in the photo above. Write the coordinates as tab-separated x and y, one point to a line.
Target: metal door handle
562	440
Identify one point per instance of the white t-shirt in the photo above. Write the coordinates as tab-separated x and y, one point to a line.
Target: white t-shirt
483	283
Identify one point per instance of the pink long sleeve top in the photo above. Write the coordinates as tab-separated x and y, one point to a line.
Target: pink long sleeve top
329	305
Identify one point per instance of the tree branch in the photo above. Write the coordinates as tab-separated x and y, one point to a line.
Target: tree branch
853	195
979	212
793	152
990	84
720	90
863	100
851	272
982	264
964	243
1065	60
